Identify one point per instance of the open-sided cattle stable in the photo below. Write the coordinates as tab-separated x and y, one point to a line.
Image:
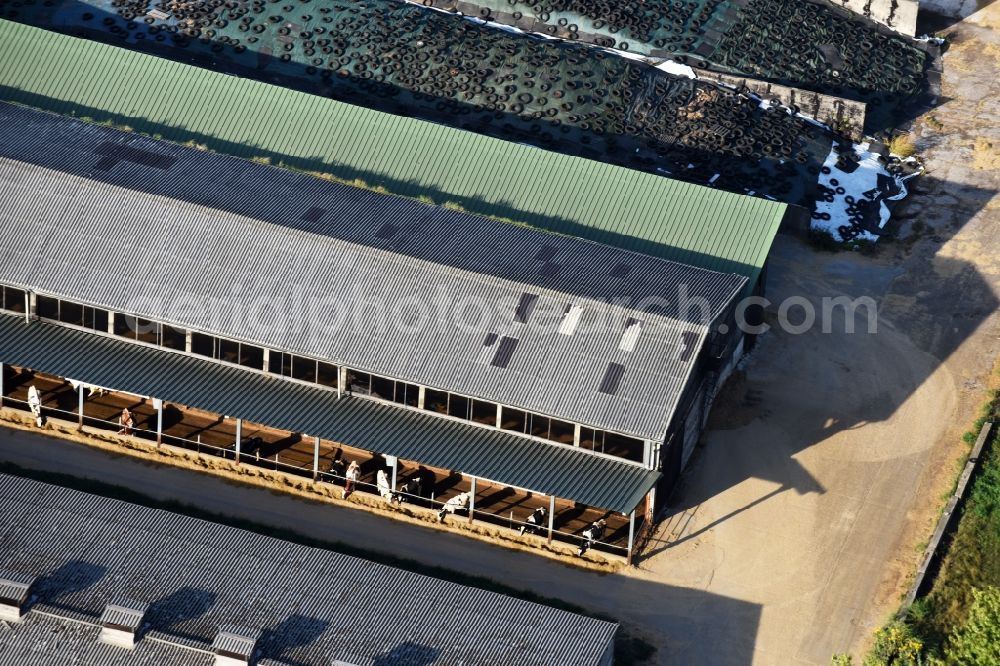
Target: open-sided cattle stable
414	61
583	336
251	444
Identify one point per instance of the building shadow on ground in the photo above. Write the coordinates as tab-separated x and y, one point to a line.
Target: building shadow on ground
928	305
930	22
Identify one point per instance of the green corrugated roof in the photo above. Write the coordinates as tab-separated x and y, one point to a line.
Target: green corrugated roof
575	196
552	469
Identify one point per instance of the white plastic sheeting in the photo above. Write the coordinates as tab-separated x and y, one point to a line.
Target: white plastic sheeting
844	195
677	69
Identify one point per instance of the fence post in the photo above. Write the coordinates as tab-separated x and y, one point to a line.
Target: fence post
159	420
79	406
315	458
239	438
552	515
472	500
2	370
631	534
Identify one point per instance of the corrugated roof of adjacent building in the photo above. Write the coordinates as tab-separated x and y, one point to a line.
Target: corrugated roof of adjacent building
569	195
544	467
51	640
311	606
378	283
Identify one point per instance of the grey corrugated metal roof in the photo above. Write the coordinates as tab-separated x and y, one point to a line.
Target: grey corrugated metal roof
549	468
49	640
129	617
219	244
311	605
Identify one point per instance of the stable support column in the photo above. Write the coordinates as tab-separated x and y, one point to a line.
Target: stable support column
552	515
631	535
2	370
394	463
79	406
315	458
158	404
239	438
341	380
472	499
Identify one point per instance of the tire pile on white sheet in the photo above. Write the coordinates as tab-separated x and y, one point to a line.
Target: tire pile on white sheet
856	188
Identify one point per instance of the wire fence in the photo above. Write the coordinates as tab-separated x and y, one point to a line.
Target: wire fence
393	496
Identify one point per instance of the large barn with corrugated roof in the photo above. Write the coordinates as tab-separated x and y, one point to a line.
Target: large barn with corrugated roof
495	354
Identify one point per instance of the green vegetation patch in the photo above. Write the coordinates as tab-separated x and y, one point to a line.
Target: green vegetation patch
958	621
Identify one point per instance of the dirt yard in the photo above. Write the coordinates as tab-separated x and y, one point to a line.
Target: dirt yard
828	457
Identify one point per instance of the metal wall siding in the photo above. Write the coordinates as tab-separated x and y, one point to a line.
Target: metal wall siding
140	240
552	469
562	193
350	608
